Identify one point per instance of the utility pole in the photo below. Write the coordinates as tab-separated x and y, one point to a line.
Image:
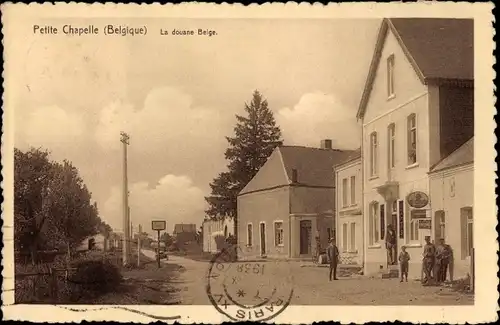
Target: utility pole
139	247
126	222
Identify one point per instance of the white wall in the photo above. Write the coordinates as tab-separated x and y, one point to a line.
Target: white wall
411	96
350	214
214	227
452	190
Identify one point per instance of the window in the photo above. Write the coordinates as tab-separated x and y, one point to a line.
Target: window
412	139
278	233
390	76
373	154
249	234
374	234
344	192
467	225
415	216
344	237
442	225
329	233
353	190
392	145
414	230
352	247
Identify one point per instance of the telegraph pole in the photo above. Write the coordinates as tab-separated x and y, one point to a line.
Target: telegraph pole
126	221
139	247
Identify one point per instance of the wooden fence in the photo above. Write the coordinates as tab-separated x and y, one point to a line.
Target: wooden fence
42	286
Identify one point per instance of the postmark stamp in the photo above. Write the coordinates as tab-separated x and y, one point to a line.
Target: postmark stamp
245	290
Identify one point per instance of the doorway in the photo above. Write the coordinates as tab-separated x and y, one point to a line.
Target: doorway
262	239
305	237
394	223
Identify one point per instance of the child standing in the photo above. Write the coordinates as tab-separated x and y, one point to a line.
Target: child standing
404	259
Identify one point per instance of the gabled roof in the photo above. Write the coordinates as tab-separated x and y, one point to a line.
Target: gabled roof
314	167
463	155
353	156
191	227
437	48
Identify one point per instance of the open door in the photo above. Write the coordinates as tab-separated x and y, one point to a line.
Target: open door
305	237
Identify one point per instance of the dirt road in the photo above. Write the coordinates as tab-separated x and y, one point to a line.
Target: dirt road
191	282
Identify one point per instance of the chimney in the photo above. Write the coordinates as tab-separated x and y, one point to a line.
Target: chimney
326	144
294	175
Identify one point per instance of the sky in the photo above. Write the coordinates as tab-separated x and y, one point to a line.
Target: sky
177	98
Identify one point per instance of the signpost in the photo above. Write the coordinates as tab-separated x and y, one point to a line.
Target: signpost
158	225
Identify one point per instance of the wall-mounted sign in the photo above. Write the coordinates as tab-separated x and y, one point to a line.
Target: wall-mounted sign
401	219
417	199
159	225
424	224
418	214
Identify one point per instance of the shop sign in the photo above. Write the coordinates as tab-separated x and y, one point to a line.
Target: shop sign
424	224
417	199
418	214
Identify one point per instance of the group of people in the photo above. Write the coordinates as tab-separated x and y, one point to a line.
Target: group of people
436	260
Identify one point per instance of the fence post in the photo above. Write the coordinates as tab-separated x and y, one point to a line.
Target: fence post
54	284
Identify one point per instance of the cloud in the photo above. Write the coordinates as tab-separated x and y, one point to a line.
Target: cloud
174	199
49	126
168	117
319	116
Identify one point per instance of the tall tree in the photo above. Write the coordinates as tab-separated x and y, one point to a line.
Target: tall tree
256	135
32	173
51	204
75	217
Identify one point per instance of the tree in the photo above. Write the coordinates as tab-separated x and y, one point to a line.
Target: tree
256	135
32	171
51	204
167	239
74	216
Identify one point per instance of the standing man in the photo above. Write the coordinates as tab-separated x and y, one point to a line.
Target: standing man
390	245
428	259
333	257
442	260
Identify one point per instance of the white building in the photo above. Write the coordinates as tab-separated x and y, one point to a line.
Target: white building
349	214
212	229
452	201
417	108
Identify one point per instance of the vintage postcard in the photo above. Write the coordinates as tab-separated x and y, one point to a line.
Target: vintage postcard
279	163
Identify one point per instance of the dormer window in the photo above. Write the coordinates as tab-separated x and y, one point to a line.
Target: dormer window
390	76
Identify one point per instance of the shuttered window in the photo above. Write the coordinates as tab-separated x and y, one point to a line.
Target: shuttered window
467	227
352	241
249	234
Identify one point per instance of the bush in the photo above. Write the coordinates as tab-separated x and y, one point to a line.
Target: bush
94	278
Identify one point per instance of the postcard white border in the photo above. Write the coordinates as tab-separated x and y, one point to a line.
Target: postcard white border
486	295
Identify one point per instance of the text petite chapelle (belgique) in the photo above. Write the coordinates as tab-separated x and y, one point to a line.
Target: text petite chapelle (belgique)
120	30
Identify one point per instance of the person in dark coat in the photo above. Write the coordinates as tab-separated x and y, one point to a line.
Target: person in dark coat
390	245
443	252
333	256
428	260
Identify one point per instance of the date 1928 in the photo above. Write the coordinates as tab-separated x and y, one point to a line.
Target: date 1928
251	268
